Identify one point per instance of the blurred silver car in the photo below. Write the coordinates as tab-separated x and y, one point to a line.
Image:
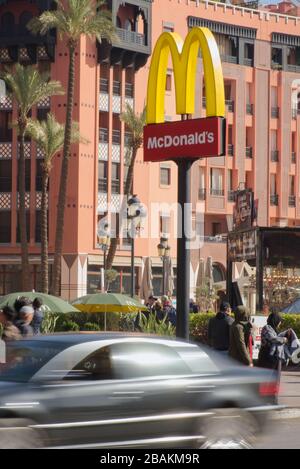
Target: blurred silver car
109	390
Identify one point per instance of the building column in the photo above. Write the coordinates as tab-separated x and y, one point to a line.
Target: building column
73	276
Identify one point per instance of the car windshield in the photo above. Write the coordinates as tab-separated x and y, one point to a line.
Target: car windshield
24	358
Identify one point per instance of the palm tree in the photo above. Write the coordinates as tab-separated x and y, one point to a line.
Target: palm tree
135	125
77	18
27	86
49	136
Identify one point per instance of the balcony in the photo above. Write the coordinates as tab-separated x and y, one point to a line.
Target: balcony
129	90
293	157
217	192
275	112
103	135
229	105
230	149
5	184
249	152
131	48
275	156
274	199
231	196
116	137
202	194
249	109
276	65
232	59
248	62
215	239
292	201
104	85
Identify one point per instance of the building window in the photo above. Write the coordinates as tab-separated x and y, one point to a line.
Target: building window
276	58
249	54
216	182
5	175
5	227
216	228
102	176
5	126
42	114
169	81
115	178
164	224
165	176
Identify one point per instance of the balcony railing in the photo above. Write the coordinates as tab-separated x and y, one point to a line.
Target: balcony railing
230	105
292	201
230	149
248	62
275	112
103	135
293	157
104	85
117	88
231	196
129	90
131	37
215	239
276	65
217	192
102	185
249	109
293	68
116	137
115	186
249	152
274	199
275	156
232	59
202	194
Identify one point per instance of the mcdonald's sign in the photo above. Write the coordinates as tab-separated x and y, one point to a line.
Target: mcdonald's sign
191	138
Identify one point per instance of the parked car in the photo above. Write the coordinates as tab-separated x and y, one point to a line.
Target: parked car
106	390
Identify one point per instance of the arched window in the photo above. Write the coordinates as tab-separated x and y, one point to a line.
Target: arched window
128	25
25	17
119	24
218	273
7	23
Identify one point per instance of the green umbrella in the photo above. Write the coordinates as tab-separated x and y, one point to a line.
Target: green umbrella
52	304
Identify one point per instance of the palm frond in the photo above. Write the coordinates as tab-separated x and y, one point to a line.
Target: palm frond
135	123
28	87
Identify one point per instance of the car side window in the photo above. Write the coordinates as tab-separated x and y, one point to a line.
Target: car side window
138	360
96	366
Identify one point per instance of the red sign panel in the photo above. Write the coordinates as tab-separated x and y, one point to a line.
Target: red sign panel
193	139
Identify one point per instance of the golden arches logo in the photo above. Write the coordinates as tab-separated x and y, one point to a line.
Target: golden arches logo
184	56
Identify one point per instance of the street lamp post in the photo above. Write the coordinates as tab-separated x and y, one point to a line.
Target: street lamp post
135	212
164	253
104	242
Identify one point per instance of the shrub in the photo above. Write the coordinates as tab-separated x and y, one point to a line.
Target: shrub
49	323
67	325
291	321
151	325
91	326
199	326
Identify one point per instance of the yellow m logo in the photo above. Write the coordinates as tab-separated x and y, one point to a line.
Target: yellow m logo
184	56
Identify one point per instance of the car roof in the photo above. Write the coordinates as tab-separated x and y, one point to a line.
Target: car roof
89	336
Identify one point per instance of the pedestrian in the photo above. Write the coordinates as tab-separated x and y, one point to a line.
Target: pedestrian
219	328
194	308
38	316
150	303
270	355
240	337
20	302
9	330
158	310
169	311
24	320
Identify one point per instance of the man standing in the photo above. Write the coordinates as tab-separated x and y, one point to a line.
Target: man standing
219	328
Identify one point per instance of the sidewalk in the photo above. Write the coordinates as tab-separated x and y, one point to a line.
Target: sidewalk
290	388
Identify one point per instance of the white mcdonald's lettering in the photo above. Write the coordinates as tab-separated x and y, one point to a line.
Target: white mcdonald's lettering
180	140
